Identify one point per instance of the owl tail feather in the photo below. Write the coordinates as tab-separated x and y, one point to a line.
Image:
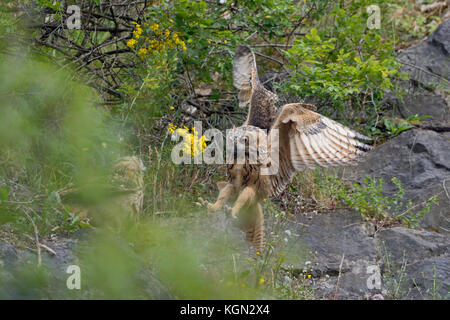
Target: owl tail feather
256	236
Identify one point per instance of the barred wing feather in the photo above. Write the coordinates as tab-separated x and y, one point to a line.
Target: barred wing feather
244	66
308	139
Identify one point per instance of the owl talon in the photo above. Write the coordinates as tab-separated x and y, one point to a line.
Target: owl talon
206	204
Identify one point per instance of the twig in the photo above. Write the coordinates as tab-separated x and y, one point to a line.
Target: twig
433	6
423	70
410	153
272	45
273	59
445	188
49	250
36	239
250	36
409	209
339	276
375	108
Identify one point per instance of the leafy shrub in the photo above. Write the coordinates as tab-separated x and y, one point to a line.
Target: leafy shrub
345	66
372	203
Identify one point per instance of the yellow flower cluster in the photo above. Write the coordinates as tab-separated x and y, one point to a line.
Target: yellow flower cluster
138	30
178	41
154	27
164	38
193	142
131	43
142	51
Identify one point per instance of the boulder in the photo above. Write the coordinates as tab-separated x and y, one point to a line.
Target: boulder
351	259
428	62
416	264
434	107
420	160
427	91
344	255
429	279
411	245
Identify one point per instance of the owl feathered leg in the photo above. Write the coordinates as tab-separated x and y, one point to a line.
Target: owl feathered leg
254	230
246	199
251	218
226	190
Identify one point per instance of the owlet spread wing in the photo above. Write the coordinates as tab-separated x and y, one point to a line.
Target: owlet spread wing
262	102
244	66
308	139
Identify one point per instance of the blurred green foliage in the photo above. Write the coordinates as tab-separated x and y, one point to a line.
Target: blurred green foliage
53	139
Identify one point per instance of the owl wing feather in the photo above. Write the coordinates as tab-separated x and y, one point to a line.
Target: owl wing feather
244	73
307	140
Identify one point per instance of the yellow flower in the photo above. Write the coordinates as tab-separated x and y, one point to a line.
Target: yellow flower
171	128
309	276
154	26
261	281
137	33
131	43
258	253
171	107
194	143
142	51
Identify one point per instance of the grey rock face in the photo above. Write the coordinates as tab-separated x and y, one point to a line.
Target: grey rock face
353	260
421	102
421	160
20	278
8	254
440	38
429	278
428	66
429	61
413	245
344	253
425	258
